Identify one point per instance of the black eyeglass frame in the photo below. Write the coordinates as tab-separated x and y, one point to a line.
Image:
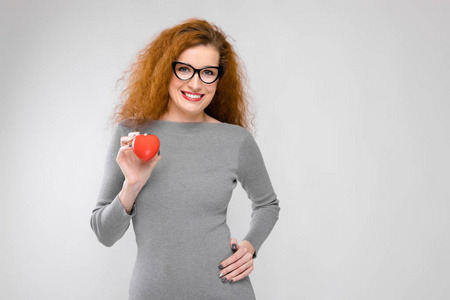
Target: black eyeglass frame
220	69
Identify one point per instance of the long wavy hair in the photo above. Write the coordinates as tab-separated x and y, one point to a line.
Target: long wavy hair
146	95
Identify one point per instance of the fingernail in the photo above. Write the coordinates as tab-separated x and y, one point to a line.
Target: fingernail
130	145
220	267
231	281
234	246
224	279
159	152
221	274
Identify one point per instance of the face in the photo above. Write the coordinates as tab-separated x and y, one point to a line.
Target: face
188	99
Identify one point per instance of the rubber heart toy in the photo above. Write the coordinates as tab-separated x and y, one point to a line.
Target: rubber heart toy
145	146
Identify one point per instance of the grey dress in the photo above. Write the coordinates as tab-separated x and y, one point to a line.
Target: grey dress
179	217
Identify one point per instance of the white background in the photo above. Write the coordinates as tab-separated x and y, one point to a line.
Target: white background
353	122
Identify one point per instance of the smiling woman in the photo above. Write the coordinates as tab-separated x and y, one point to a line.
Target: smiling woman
187	89
156	72
198	93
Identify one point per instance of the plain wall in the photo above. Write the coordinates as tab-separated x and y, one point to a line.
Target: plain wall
353	120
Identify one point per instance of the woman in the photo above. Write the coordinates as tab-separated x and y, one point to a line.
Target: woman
186	88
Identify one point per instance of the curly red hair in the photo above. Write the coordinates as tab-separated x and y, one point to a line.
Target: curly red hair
146	95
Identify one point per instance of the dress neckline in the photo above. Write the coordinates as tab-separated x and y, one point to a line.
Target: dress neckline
185	123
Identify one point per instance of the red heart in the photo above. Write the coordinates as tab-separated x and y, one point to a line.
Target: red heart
146	146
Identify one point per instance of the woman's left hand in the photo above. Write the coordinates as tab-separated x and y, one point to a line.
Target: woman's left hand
240	264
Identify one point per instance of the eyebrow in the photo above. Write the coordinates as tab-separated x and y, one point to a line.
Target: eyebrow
196	68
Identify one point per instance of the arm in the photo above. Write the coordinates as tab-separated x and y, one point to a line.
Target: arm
109	219
253	176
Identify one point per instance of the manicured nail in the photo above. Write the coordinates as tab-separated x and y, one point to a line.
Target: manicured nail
220	267
234	246
221	274
130	145
231	281
159	152
224	279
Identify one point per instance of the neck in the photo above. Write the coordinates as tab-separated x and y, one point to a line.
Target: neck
203	117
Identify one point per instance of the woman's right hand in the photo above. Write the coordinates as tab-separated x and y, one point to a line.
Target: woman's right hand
135	170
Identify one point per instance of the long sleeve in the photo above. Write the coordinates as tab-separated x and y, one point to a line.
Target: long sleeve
253	176
109	219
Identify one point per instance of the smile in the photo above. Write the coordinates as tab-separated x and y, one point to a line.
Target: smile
192	96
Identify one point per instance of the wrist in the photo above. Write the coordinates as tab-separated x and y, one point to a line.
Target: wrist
132	187
249	246
128	194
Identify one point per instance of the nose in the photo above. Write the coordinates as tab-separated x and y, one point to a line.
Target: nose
195	84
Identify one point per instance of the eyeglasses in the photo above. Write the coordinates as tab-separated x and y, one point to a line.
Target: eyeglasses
185	72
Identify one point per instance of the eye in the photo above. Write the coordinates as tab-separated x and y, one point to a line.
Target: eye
209	72
183	69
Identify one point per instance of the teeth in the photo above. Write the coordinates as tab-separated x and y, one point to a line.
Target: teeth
192	96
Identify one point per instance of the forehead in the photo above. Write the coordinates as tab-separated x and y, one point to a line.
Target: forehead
200	56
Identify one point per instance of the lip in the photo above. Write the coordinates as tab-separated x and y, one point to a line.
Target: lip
190	99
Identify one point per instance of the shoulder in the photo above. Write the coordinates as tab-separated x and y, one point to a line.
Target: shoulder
133	124
128	123
238	132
